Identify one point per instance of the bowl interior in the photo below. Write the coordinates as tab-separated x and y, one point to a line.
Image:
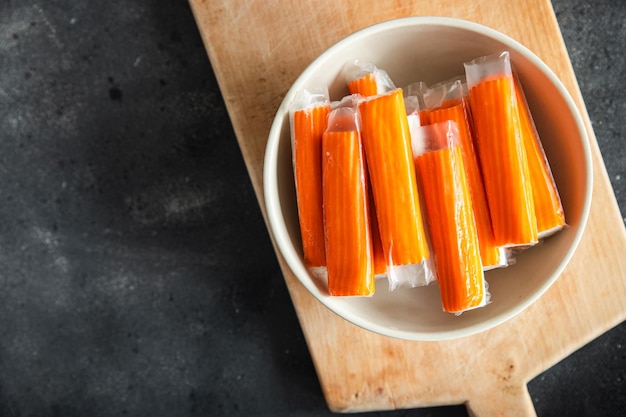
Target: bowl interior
431	50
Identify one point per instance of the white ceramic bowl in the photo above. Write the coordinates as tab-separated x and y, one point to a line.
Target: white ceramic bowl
432	49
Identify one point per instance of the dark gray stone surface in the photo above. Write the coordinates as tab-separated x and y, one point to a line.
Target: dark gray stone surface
136	274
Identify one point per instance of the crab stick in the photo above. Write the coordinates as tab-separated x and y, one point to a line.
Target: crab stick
452	105
380	266
366	79
346	218
309	115
387	143
450	218
364	85
501	151
548	206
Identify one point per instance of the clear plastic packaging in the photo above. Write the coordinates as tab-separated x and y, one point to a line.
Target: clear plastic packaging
366	79
387	142
349	250
450	217
308	117
380	265
413	112
448	101
548	206
418	89
501	151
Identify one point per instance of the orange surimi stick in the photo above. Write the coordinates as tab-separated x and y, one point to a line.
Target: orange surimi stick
346	221
380	265
501	150
450	218
386	139
365	85
424	117
441	109
548	207
309	115
366	79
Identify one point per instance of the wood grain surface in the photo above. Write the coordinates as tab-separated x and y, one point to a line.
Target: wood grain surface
257	50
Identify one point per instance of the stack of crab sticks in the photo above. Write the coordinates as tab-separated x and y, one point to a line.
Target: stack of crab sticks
439	184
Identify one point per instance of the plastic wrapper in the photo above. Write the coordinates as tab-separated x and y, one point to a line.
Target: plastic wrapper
501	151
386	139
450	217
366	79
351	100
414	110
445	94
548	206
380	265
308	119
418	89
448	88
448	101
349	248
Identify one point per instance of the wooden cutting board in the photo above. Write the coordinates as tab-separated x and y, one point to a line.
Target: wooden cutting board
257	50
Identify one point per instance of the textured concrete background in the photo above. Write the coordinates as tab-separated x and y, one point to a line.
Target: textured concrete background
136	274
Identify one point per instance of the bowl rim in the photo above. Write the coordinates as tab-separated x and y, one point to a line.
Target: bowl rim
274	213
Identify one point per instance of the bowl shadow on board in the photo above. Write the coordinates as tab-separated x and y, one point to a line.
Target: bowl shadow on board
416	313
